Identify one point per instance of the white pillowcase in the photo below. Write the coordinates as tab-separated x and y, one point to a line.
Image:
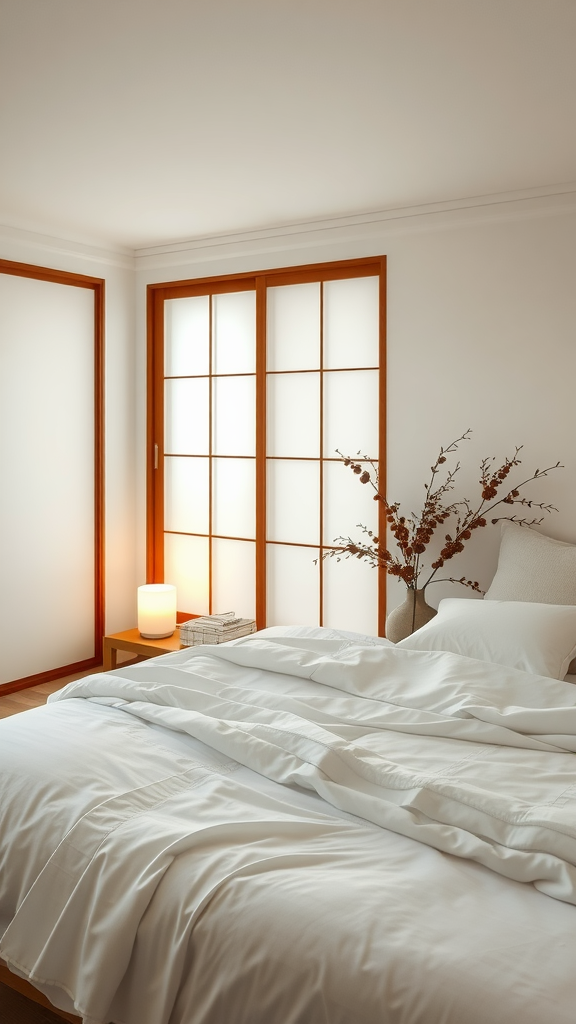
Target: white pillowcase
533	567
534	637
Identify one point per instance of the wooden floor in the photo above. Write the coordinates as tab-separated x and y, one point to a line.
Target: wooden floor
20	1004
33	696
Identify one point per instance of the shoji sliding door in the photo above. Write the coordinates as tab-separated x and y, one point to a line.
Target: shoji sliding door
254	382
209	464
51	585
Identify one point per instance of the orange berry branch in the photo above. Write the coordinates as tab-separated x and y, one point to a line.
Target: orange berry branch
414	533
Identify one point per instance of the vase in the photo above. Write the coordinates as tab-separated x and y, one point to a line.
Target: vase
408	616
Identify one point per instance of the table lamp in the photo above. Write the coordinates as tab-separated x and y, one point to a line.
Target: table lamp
156	610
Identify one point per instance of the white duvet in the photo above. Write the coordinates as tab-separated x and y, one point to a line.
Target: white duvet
225	839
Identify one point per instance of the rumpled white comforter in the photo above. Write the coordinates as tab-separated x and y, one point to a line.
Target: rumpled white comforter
470	759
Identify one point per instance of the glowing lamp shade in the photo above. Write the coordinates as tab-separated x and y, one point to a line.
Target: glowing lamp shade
156	610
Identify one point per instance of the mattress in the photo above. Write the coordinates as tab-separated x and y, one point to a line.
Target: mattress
205	838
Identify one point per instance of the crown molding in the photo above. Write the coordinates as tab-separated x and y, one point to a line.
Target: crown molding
12	238
369	227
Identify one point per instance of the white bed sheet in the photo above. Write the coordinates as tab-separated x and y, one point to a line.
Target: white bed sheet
348	923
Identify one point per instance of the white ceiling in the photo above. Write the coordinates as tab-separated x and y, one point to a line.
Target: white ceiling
138	122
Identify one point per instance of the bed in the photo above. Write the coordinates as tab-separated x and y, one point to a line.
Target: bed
301	826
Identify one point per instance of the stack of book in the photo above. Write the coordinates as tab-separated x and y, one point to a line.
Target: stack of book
215	629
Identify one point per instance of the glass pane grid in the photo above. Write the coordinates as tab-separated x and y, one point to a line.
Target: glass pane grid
209	431
342	383
319	329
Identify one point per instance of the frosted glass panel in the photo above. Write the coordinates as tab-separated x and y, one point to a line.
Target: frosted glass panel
351	412
234	332
347	502
186	567
234	497
186	495
350	595
293	586
351	322
293	413
321	340
186	417
234	416
293	501
293	331
47	476
187	336
234	577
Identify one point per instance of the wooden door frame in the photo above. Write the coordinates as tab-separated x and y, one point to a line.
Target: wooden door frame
259	281
97	286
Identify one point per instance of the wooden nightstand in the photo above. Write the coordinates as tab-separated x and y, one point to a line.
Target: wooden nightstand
130	640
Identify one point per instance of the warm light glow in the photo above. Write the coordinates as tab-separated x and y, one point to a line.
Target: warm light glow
156	610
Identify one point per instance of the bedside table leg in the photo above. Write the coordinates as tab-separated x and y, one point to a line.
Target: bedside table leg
109	655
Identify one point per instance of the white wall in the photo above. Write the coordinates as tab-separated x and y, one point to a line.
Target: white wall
481	334
120	403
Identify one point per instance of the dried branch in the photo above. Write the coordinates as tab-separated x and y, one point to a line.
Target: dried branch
414	533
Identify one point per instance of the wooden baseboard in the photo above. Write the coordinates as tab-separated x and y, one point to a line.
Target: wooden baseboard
79	668
26	989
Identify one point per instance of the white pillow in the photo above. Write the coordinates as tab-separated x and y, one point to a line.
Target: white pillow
538	638
532	567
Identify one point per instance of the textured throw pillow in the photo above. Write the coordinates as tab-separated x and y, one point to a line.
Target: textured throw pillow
532	567
537	638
